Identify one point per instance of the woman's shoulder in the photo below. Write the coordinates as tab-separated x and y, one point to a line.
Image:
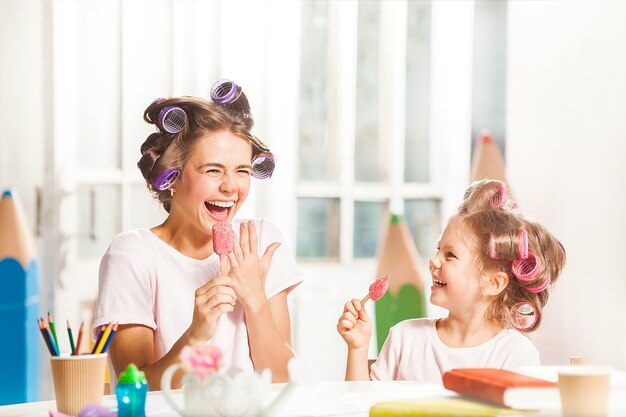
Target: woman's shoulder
131	242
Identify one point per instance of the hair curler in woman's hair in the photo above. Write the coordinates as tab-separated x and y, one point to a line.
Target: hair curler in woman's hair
172	119
226	93
166	179
263	167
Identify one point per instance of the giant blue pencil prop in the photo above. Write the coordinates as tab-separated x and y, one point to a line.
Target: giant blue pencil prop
19	305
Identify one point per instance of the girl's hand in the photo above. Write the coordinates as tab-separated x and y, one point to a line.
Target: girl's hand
355	325
213	299
247	271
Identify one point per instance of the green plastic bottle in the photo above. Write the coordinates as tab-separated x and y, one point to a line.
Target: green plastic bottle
131	391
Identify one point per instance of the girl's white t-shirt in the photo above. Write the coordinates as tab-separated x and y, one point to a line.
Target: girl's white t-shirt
413	351
143	280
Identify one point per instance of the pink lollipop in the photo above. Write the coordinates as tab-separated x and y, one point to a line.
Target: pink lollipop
377	289
223	237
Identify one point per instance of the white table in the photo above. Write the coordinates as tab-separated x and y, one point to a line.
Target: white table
322	399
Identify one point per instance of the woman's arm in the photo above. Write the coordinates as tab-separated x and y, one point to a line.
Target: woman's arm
135	343
269	335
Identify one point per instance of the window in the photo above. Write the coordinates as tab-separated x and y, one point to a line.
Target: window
360	158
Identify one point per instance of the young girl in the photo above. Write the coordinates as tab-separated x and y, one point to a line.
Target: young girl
492	272
163	284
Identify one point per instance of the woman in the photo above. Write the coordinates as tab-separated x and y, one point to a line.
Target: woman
163	285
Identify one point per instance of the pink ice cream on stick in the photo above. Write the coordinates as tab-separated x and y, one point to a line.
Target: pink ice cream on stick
377	289
223	238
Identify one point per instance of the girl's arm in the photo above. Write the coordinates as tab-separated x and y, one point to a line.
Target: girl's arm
269	335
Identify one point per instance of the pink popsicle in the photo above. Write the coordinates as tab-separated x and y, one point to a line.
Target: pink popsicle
223	237
377	289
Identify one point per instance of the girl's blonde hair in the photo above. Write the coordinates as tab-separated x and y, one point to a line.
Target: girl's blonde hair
493	230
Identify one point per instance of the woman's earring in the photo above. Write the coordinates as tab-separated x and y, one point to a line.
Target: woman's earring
172	192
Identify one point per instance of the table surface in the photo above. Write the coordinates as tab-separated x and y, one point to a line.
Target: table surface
317	399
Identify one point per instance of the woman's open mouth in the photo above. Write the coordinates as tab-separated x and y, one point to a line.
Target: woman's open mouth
219	210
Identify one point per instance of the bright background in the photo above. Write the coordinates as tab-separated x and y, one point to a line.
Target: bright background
371	108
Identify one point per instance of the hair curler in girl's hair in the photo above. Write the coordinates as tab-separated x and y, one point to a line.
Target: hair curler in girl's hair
523	315
500	197
172	119
263	167
166	179
226	93
528	266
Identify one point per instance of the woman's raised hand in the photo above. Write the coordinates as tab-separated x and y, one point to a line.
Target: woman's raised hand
247	270
213	299
355	325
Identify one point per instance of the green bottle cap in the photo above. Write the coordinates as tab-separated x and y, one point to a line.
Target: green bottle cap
396	218
131	375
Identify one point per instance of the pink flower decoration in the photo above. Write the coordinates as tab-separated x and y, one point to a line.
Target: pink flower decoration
201	359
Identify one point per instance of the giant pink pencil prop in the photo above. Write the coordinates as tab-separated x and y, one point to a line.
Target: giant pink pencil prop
223	237
377	289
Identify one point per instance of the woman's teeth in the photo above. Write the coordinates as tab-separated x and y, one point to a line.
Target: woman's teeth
438	283
226	204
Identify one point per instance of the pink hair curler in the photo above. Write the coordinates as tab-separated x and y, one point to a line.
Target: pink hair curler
541	287
523	244
523	315
527	269
499	198
492	248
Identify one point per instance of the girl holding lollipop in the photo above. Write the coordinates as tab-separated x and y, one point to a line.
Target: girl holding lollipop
492	271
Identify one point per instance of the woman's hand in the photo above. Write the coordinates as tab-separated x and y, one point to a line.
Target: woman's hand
213	299
247	270
355	325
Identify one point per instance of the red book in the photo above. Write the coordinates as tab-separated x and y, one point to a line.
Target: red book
503	387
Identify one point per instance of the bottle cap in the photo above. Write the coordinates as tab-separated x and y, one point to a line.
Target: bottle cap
132	374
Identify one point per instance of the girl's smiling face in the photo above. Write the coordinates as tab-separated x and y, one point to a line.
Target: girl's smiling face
455	271
215	181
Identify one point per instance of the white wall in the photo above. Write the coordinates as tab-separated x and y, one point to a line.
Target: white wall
566	160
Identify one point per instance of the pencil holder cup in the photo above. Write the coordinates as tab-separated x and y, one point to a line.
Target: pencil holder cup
78	380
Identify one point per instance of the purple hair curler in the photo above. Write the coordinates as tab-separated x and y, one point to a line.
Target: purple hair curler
225	91
172	119
523	315
263	167
166	179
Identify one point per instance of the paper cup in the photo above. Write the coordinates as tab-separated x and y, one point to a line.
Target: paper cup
584	391
78	380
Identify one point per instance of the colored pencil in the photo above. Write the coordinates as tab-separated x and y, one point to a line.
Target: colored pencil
45	337
52	328
69	334
51	338
81	330
105	335
108	342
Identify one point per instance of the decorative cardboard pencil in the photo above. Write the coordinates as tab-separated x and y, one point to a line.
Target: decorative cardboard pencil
399	260
487	162
19	304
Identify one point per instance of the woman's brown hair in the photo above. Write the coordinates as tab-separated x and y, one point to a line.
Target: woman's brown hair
162	151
